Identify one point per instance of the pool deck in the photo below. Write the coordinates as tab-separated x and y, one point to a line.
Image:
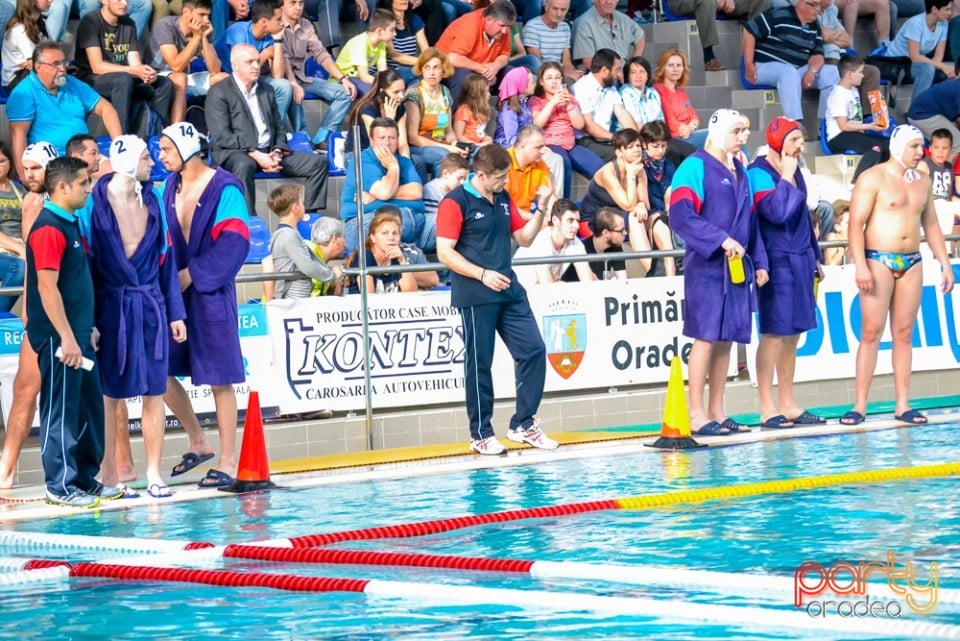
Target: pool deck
27	503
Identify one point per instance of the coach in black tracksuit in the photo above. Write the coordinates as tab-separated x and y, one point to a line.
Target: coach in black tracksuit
60	315
475	223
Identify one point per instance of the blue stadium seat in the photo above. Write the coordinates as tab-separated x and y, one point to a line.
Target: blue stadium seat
335	151
299	141
158	173
197	65
103	144
746	83
259	241
823	141
313	69
306	224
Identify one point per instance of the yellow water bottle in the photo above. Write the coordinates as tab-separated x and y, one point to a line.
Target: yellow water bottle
735	264
816	287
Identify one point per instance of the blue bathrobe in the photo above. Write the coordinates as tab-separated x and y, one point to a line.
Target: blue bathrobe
707	205
214	253
136	297
786	303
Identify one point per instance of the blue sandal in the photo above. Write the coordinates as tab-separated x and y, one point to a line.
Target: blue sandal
913	417
712	429
808	419
777	422
734	426
852	418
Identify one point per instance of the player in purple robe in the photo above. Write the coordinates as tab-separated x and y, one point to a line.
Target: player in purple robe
207	217
711	208
137	296
787	306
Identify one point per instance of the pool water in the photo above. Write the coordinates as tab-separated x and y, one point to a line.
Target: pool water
770	534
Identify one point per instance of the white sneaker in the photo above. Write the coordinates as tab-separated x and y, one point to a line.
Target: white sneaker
534	436
77	498
489	446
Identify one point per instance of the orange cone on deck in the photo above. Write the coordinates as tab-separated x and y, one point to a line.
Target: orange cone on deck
253	472
675	429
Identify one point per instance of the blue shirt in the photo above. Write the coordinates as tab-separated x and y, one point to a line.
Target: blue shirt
916	29
372	172
54	118
240	33
942	99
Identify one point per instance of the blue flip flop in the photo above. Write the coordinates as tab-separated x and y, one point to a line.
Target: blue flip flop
913	417
777	422
712	429
189	461
734	426
808	419
215	478
852	417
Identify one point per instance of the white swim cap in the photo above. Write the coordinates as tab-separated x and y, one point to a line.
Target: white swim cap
721	122
125	152
902	135
40	153
185	138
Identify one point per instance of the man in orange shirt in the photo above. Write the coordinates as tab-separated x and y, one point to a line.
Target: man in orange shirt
478	42
528	181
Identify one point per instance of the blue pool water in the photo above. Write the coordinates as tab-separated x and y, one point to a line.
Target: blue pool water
769	534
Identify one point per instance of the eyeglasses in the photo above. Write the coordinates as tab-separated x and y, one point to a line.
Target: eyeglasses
58	64
622	230
812	5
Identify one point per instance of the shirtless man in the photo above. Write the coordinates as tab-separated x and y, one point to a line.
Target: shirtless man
26	385
207	219
890	203
138	294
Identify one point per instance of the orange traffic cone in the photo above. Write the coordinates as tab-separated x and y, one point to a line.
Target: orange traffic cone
675	429
253	472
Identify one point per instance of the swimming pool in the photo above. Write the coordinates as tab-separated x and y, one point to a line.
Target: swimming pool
770	534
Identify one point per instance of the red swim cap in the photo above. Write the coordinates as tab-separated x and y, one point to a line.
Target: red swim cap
777	131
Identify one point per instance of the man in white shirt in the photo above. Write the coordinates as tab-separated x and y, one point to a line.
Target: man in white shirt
600	103
558	239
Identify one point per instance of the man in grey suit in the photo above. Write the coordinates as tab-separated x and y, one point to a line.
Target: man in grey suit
247	136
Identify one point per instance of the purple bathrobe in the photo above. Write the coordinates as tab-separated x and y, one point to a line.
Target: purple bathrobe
707	205
136	298
214	253
786	304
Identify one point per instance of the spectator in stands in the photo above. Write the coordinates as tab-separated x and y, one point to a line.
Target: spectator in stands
300	42
176	41
705	13
639	97
31	118
328	14
479	42
603	27
408	42
845	126
669	79
328	242
528	182
453	171
558	238
836	40
473	112
879	9
548	37
600	103
85	147
838	255
384	100
290	254
923	38
57	16
12	250
621	184
264	32
108	59
429	113
557	112
247	135
365	54
655	140
383	248
938	108
25	30
609	230
514	110
783	47
388	179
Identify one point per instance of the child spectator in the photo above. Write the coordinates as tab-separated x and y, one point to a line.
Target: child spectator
837	255
366	54
845	126
655	137
24	32
453	171
288	250
517	85
559	238
473	112
937	166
